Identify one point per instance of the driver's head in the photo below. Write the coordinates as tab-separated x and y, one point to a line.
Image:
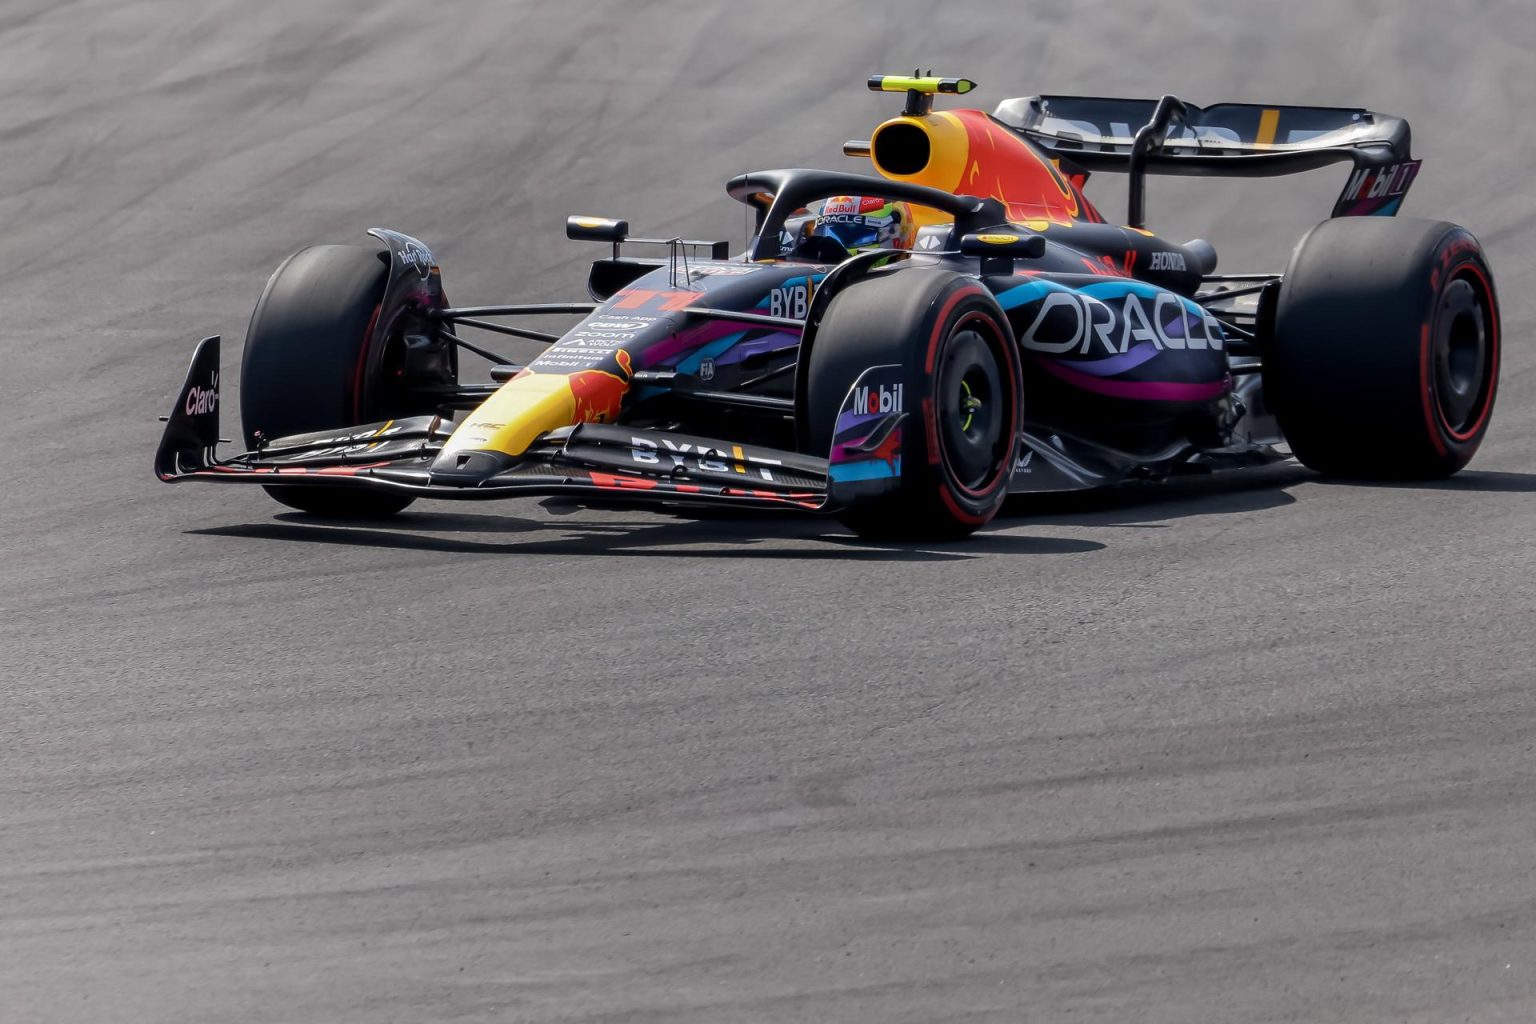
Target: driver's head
866	222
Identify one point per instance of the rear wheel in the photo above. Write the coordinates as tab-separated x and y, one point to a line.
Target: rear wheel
963	397
1385	359
306	356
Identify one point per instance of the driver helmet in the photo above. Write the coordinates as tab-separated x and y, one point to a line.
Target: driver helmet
858	223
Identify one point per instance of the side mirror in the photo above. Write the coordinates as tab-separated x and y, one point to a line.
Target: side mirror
596	229
1003	243
999	247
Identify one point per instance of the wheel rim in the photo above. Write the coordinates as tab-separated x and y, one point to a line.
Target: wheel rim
972	409
1462	346
390	373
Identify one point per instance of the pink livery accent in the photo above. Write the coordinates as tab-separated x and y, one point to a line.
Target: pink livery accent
1147	391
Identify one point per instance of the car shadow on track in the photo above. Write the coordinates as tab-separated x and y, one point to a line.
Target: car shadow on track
740	537
571	529
1471	480
1151	504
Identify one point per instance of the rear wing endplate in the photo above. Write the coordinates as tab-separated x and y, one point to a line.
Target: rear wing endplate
1239	140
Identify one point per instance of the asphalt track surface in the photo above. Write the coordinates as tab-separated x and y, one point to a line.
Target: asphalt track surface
1255	749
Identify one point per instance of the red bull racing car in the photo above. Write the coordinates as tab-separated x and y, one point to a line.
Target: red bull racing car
901	350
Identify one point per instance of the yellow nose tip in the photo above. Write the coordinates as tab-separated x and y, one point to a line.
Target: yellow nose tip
513	418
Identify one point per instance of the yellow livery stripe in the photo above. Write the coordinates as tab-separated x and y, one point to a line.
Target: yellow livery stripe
1269	123
903	83
511	419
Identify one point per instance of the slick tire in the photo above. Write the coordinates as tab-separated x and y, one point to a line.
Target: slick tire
963	397
305	356
1385	358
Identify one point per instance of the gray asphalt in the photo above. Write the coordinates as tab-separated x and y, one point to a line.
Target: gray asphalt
1257	749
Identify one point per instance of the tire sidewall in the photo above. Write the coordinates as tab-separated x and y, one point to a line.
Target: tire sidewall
909	317
1349	371
307	349
1459	256
964	304
309	352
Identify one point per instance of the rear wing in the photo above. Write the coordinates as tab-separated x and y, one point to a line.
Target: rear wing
1239	140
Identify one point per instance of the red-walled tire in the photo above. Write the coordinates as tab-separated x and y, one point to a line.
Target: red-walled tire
305	358
1385	358
964	401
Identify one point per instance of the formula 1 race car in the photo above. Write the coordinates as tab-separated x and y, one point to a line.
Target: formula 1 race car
1020	344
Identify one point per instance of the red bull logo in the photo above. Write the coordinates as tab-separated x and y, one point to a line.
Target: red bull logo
532	403
599	394
852	205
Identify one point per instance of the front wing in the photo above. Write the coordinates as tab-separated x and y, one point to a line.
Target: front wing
610	463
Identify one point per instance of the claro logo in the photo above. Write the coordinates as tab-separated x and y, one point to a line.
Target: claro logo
201	400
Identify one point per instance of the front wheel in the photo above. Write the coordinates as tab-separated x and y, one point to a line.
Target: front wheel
305	362
1385	357
963	397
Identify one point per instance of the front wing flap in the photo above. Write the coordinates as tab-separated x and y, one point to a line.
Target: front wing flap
591	460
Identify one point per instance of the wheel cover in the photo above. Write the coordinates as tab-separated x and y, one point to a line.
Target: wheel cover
972	408
1462	354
